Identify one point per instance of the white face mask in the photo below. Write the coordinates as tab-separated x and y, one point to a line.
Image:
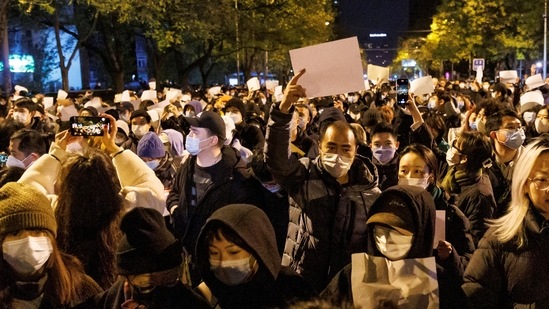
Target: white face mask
264	101
232	272
416	182
452	156
140	130
541	125
391	243
335	165
384	154
153	164
237	118
480	125
27	255
528	117
192	145
14	162
21	117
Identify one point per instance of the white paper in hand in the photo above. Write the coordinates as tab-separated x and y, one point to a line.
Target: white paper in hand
332	68
377	74
509	76
148	95
278	94
271	84
61	94
253	84
479	76
66	112
422	85
440	227
48	102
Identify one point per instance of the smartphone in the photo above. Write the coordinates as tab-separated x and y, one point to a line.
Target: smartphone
3	159
402	88
88	126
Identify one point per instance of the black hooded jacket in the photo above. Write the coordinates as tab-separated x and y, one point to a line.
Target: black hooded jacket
273	286
422	208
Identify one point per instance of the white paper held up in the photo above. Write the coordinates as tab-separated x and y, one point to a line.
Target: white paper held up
332	68
253	84
377	74
422	85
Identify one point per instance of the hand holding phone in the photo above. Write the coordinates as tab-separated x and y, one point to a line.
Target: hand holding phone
88	126
402	88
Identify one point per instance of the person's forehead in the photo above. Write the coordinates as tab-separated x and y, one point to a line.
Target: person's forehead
412	158
232	109
302	109
339	136
21	109
199	129
139	119
383	136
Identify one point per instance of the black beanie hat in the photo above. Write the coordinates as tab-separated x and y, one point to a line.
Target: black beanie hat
147	245
236	102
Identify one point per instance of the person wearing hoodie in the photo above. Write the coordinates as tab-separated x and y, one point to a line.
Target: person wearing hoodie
330	196
239	262
250	136
401	225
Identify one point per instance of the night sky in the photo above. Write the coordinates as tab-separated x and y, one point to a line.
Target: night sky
395	18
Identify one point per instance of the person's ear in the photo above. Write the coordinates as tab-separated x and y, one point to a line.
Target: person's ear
493	135
215	140
397	144
431	178
463	159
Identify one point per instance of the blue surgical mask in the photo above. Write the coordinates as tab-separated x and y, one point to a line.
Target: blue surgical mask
192	145
153	165
514	138
473	125
384	154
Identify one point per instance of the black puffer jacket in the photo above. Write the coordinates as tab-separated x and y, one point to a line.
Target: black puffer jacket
500	275
327	220
273	286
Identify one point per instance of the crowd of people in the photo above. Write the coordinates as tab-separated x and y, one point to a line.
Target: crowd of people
244	199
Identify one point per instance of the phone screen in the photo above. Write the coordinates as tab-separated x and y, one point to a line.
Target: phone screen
402	91
88	126
3	159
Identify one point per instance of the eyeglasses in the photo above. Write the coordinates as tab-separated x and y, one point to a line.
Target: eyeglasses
511	129
454	146
541	184
146	283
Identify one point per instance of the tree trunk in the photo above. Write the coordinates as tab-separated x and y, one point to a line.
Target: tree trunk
118	79
64	77
5	45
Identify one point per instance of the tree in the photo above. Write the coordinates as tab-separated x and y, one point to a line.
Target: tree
60	16
5	47
204	30
497	30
